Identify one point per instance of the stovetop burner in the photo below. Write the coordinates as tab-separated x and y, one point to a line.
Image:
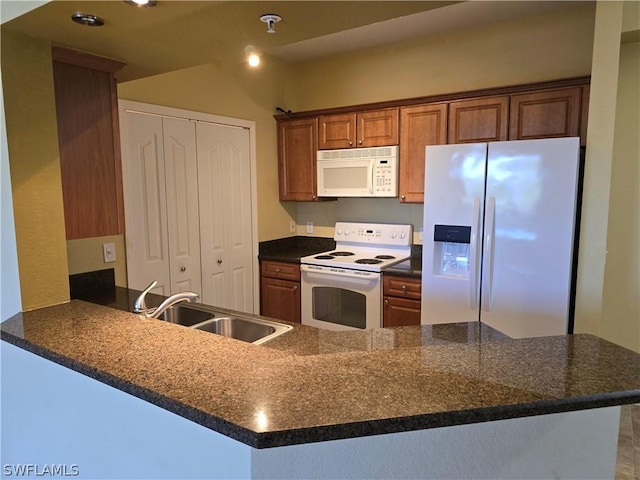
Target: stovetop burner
385	257
324	257
342	254
368	261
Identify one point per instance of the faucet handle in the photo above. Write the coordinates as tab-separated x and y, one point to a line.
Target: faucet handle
140	306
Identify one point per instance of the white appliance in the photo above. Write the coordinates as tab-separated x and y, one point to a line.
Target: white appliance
499	223
358	172
342	288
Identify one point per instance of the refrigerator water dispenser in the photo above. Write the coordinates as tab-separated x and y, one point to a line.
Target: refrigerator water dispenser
451	250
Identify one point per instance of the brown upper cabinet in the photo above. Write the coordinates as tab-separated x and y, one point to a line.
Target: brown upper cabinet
479	120
375	128
297	146
420	126
548	114
89	143
556	108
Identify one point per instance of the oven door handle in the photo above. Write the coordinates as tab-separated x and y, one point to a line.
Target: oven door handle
341	274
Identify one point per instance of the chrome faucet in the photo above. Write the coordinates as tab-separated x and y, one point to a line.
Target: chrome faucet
140	306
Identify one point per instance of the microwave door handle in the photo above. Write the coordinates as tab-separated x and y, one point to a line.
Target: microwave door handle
371	174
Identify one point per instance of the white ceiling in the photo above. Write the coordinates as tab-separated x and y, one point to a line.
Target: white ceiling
180	34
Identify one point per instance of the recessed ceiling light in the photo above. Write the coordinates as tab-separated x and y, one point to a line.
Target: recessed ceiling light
253	59
141	3
86	19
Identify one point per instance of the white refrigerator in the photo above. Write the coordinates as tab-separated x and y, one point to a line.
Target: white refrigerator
498	234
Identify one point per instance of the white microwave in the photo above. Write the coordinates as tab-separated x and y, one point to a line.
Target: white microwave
358	172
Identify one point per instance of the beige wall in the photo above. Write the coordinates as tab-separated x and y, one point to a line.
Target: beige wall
86	255
35	170
534	49
621	295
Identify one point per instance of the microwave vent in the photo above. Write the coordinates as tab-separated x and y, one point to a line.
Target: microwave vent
391	151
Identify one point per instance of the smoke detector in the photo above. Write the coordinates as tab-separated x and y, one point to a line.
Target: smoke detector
270	19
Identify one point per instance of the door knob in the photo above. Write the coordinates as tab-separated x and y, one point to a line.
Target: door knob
219	261
183	269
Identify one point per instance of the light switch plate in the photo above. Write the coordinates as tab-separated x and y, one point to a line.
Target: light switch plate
292	226
109	252
309	227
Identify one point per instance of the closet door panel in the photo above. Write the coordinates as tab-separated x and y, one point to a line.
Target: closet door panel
183	218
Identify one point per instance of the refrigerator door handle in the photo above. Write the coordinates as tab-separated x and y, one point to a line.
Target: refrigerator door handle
473	255
487	257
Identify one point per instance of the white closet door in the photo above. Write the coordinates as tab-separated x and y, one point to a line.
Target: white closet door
181	179
145	201
224	185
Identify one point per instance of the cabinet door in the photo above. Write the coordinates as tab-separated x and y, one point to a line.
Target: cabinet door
479	120
280	299
377	128
297	147
419	126
337	131
549	114
400	312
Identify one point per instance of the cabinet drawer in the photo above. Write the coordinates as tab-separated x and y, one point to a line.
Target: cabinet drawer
405	287
283	270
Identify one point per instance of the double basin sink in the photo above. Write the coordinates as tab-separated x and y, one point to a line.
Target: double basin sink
247	329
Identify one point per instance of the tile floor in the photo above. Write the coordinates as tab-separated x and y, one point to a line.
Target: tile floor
628	463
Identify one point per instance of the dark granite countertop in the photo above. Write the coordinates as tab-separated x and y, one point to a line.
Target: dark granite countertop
292	249
312	385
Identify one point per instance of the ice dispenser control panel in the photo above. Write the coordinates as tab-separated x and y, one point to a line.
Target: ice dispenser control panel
451	245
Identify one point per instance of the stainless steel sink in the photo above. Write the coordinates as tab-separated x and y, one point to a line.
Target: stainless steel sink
250	330
183	315
247	329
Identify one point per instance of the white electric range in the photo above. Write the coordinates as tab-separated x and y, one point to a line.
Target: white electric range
342	288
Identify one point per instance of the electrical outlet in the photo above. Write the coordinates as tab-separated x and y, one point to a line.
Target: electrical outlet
309	227
109	252
292	226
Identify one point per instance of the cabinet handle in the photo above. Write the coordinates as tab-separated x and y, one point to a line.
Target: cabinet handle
277	270
350	143
359	142
402	197
386	303
183	269
295	287
219	261
404	288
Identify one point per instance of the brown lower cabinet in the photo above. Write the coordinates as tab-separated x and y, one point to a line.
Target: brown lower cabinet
280	290
401	301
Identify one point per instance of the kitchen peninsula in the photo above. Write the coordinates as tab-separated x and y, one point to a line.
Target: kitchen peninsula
123	396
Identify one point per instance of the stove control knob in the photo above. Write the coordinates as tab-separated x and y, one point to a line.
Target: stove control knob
346	232
394	234
402	235
339	231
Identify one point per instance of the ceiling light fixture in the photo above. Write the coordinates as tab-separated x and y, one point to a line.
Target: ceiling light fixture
270	19
141	3
86	19
253	59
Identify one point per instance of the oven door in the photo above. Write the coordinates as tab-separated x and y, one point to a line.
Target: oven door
340	299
